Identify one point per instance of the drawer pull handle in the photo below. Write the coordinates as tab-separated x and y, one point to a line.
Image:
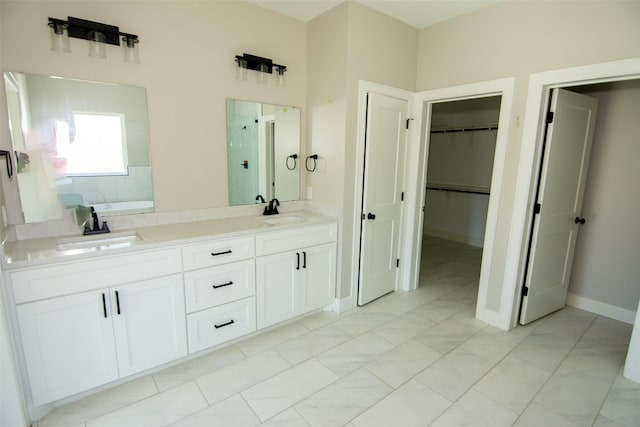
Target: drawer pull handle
117	302
304	259
222	325
223	285
104	305
221	253
297	260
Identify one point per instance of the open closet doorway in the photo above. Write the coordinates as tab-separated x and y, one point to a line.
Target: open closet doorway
462	143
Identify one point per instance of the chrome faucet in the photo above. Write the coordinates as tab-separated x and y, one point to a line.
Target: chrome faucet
96	229
272	207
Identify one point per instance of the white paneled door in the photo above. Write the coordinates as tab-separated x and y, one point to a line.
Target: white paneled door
382	196
558	218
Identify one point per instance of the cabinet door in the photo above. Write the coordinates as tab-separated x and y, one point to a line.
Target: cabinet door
277	283
149	323
319	266
68	344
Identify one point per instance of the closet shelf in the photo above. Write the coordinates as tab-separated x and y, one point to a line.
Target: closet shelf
465	129
458	188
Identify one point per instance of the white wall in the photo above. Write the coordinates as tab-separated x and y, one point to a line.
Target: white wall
606	267
515	39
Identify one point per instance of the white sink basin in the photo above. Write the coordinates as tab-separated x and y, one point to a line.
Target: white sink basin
100	241
284	219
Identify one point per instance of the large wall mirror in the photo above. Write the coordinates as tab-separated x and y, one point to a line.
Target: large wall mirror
78	143
263	151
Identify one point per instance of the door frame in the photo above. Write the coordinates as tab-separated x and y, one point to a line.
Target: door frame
364	88
540	86
417	154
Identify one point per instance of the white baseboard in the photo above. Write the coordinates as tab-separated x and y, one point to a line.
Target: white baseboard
460	238
342	305
601	308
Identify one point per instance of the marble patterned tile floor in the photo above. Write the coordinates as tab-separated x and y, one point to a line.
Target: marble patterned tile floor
408	359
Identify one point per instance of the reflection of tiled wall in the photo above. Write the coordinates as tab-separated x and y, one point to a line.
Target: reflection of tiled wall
135	186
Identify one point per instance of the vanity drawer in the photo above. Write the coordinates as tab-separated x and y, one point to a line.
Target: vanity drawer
281	241
217	252
219	324
213	286
63	279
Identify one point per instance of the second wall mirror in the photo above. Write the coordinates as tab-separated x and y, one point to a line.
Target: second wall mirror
263	152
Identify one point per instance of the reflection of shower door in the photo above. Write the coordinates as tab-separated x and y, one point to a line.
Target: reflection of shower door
269	169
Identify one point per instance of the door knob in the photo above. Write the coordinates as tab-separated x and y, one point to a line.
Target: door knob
579	220
371	216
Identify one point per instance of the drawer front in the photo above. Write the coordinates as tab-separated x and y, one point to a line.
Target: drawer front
217	252
281	241
219	324
213	286
62	279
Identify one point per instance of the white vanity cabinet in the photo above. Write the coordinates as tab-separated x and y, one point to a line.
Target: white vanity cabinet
68	345
219	282
74	341
295	272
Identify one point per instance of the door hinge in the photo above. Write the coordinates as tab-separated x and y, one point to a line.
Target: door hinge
525	291
397	262
402	196
408	120
549	117
536	209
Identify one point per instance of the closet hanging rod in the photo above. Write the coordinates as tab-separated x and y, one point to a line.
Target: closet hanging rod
458	190
465	129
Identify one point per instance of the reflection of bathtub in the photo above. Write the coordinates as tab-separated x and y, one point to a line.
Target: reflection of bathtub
120	208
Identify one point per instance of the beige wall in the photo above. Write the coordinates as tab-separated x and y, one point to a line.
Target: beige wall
355	43
187	51
515	39
605	266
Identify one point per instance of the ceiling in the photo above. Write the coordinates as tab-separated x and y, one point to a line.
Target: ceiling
417	13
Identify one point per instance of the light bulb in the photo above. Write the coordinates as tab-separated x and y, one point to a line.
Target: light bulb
97	45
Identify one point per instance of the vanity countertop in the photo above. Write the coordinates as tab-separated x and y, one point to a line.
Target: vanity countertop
33	252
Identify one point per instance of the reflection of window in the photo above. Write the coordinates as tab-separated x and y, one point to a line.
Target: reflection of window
97	146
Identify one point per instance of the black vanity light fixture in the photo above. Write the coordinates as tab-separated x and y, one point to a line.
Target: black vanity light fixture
99	36
263	67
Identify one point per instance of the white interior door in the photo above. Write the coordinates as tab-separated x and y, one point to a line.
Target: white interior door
381	204
562	181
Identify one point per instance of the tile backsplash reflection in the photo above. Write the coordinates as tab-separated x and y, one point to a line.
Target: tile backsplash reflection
137	185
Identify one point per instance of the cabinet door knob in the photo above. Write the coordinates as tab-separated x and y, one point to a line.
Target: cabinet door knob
371	216
229	283
117	302
221	253
104	305
579	220
222	325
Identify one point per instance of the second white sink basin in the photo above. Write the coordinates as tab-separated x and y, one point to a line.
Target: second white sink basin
100	241
284	219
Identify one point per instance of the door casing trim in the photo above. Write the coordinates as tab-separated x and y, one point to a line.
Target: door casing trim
417	167
540	85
